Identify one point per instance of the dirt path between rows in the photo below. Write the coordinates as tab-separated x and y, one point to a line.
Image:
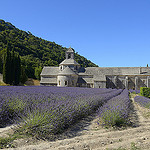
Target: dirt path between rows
86	135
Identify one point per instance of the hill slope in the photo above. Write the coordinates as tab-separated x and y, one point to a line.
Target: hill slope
33	50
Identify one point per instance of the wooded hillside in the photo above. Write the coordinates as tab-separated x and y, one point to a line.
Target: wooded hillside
34	52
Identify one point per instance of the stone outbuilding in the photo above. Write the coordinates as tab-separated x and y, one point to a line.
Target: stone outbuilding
70	74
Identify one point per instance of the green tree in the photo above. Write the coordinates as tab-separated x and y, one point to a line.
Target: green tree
38	71
1	65
12	77
7	66
11	67
17	68
23	76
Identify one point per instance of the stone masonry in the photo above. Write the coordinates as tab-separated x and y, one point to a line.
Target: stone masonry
70	74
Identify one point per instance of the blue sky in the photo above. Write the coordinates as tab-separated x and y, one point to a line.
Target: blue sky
110	33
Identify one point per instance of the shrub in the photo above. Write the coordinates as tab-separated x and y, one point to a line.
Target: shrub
145	91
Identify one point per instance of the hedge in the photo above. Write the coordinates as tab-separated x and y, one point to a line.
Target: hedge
145	91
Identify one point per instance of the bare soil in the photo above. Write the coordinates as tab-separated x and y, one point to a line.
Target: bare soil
32	82
87	135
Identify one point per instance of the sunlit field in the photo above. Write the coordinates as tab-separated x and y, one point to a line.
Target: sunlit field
43	111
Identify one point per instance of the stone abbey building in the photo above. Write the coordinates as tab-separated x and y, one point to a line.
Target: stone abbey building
70	74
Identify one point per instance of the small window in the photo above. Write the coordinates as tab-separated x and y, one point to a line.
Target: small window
72	83
61	68
65	82
59	83
69	56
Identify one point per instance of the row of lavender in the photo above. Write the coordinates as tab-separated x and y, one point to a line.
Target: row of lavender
115	112
44	110
143	101
134	91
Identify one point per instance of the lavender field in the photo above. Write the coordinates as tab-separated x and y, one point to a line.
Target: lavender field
115	112
43	111
143	101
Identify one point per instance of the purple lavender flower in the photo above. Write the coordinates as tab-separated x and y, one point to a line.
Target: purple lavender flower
143	101
115	111
49	110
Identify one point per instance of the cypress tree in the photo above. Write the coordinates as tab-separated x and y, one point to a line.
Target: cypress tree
12	74
1	65
7	66
4	68
17	69
23	76
11	67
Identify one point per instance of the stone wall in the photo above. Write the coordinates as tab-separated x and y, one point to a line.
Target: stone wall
99	84
129	82
67	80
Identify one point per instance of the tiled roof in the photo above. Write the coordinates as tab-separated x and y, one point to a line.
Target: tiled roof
50	71
96	71
69	62
85	80
67	71
70	50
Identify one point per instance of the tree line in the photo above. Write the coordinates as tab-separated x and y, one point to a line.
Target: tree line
11	68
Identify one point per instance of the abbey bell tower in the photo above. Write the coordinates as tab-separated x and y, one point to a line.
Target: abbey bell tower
70	53
68	70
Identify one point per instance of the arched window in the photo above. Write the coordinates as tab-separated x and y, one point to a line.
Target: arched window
66	82
69	56
61	67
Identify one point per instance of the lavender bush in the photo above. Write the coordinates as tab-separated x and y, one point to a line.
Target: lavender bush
115	111
43	111
143	101
134	91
